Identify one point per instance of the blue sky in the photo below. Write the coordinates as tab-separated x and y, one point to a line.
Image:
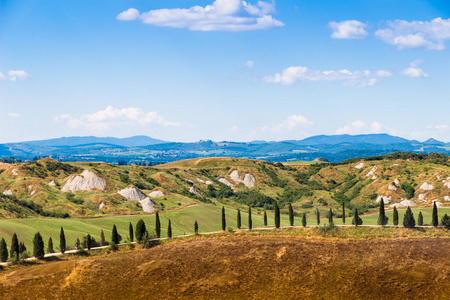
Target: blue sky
225	69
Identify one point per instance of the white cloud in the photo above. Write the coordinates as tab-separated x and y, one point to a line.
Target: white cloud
128	15
361	127
221	15
350	29
14	115
357	78
249	64
416	34
113	117
413	70
289	123
14	75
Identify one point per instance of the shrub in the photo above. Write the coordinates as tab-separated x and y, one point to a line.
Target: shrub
445	221
408	219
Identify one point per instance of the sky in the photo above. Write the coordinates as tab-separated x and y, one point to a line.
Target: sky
226	70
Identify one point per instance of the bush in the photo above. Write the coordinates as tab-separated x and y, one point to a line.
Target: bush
445	221
408	220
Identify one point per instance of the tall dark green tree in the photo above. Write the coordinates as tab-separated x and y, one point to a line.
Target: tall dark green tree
434	216
445	221
102	238
330	217
38	246
22	247
382	219
169	230
265	218
408	219
131	232
356	219
420	219
196	227
277	216
157	225
3	250
140	230
343	212
395	216
224	221
62	241
88	241
318	216
291	215
50	246
304	220
115	237
250	223
239	218
14	251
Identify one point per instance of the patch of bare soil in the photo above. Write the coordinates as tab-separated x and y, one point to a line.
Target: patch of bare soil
246	267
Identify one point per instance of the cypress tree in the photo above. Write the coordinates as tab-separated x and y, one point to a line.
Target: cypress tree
50	246
169	230
140	230
3	250
420	219
330	217
77	244
22	248
157	226
382	219
356	219
62	241
38	246
224	221
434	216
88	241
14	251
115	237
291	215
304	220
277	216
239	219
445	221
131	232
265	218
196	227
250	223
102	238
408	219
318	216
343	212
395	217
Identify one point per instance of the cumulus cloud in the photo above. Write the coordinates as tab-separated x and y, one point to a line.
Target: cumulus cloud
361	127
416	34
413	70
114	117
290	123
350	29
14	75
357	78
221	15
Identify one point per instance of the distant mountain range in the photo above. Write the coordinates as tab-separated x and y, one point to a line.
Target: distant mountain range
139	149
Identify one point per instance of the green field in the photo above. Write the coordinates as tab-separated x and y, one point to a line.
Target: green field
207	216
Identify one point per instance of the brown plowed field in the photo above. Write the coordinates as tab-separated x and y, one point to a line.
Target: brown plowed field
246	267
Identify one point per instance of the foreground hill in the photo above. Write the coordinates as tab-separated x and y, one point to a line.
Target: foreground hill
233	267
50	188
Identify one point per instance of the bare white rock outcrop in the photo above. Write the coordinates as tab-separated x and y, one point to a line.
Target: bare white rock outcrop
446	198
132	193
192	190
426	186
248	180
52	183
372	172
226	182
86	181
200	180
101	205
156	194
392	187
359	166
386	199
15	172
208	182
438	204
7	192
404	203
397	182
